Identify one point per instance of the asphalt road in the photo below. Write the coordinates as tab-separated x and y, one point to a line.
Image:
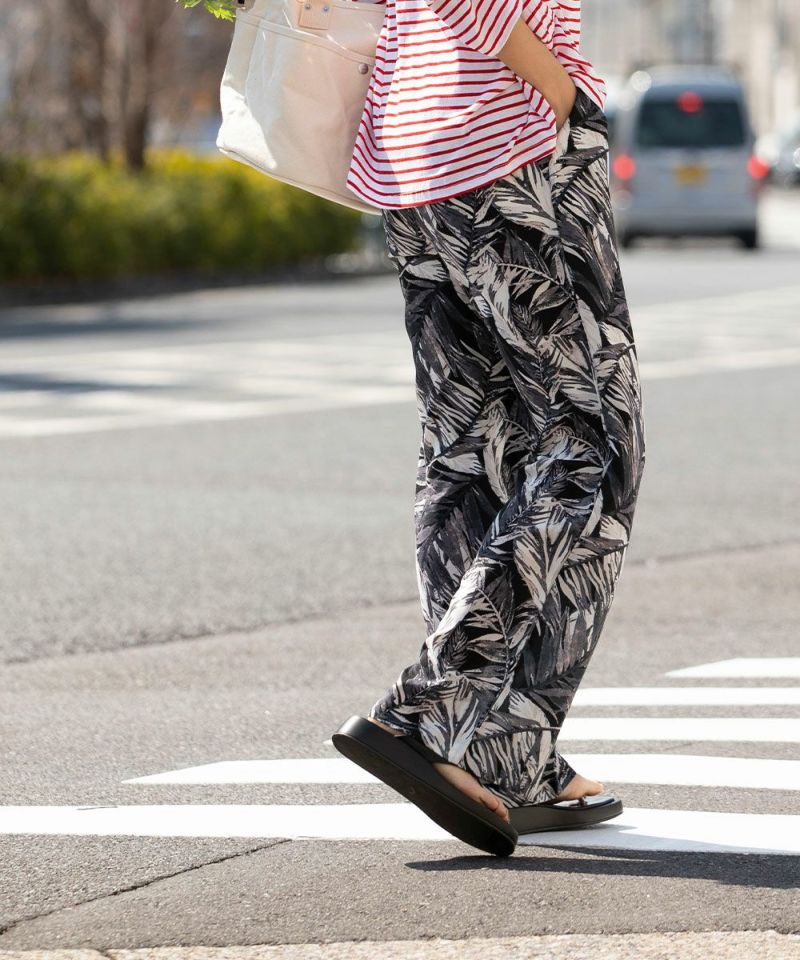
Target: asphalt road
207	565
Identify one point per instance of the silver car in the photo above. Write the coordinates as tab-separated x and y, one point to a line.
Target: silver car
682	158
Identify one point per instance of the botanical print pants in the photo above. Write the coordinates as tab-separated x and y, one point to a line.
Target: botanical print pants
532	452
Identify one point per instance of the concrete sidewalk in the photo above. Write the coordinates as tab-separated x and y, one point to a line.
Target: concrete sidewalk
710	945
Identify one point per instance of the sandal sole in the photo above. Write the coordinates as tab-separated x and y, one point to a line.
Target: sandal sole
538	818
404	770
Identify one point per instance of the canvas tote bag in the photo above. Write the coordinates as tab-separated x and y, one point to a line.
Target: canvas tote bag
294	87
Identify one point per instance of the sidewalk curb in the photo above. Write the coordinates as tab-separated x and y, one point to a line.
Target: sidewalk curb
321	270
707	945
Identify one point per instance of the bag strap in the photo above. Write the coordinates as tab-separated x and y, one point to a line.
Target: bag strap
314	14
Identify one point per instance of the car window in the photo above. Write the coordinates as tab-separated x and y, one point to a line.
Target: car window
690	120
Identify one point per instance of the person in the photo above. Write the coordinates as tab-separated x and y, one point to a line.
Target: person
485	144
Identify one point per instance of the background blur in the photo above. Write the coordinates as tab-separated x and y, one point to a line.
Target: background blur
98	75
759	38
109	113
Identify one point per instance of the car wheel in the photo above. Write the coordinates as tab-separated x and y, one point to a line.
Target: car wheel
748	238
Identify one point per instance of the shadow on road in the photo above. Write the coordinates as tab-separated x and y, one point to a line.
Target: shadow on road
732	869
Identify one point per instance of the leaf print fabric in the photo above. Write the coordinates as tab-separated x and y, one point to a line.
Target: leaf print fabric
531	456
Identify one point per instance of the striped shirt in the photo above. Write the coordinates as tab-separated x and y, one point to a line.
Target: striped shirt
443	114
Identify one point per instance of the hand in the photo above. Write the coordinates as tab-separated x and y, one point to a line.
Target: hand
562	104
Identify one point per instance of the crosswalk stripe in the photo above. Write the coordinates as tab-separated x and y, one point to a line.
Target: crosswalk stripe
720	362
686	696
751	667
688	830
680	769
181	383
635	829
688	770
169	412
739	729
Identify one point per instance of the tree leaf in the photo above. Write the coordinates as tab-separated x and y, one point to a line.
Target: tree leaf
221	9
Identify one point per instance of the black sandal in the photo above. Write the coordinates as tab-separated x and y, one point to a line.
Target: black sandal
565	814
405	764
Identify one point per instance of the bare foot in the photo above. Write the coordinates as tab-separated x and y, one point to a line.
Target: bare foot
580	787
463	780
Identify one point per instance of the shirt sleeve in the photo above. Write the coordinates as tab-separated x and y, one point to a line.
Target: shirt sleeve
569	15
483	25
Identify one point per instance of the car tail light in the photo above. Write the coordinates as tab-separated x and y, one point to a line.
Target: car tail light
624	167
690	102
757	168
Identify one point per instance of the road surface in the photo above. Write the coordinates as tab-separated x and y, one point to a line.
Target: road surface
207	565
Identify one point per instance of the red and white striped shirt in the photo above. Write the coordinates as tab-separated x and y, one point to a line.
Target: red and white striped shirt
443	114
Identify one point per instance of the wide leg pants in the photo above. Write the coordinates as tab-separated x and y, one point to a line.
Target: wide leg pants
530	461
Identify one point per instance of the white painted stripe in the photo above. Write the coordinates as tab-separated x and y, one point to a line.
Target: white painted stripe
137	411
242	379
690	830
719	363
677	769
172	413
400	821
752	667
736	729
688	770
726	314
635	829
686	696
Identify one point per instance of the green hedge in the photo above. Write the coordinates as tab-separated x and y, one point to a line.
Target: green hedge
74	217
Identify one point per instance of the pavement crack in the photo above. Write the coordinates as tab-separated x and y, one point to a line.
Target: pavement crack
187	637
679	746
146	883
178	636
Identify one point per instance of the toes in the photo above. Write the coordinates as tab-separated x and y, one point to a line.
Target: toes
495	804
